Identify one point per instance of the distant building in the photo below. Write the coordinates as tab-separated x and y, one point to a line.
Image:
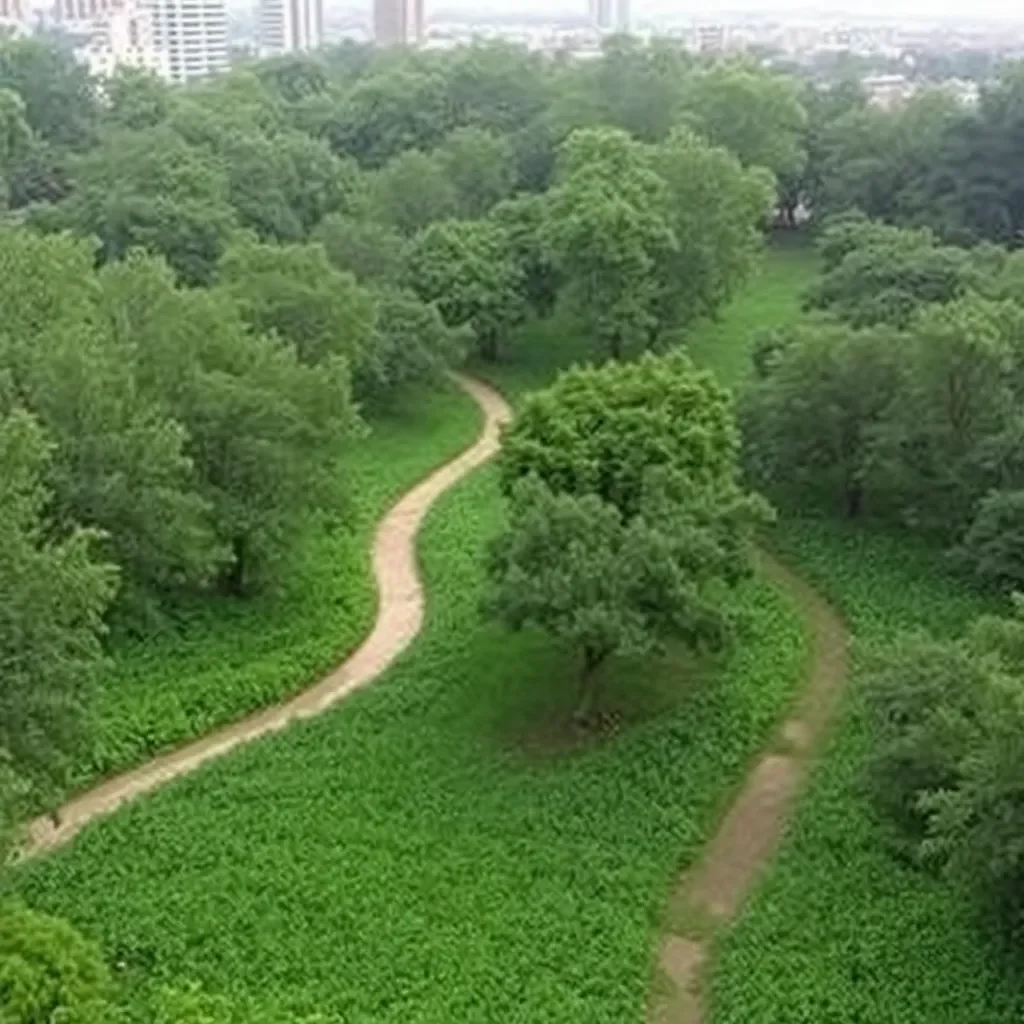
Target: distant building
710	38
14	17
398	22
290	26
193	34
110	34
608	15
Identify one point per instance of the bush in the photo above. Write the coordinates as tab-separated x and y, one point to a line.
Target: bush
993	548
48	971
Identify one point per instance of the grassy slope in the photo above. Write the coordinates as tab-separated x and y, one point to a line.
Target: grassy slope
841	932
771	299
424	853
229	657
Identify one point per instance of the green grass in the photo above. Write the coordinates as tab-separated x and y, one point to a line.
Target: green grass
430	852
843	931
225	657
771	299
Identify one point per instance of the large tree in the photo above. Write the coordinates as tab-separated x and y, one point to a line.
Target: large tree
54	591
467	269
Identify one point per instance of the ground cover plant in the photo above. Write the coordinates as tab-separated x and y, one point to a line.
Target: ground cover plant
442	847
845	929
218	659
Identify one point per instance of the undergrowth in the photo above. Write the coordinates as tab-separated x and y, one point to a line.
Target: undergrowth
843	930
421	854
222	657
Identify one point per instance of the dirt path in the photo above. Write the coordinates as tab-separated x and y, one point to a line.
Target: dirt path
399	618
711	894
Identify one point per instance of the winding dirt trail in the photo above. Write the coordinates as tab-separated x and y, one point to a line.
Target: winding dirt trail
711	894
399	619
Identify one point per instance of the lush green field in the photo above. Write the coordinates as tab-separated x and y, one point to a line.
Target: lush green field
440	848
843	931
771	299
224	657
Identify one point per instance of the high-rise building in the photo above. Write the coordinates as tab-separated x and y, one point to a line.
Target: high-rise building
398	22
193	34
14	17
290	26
110	34
609	15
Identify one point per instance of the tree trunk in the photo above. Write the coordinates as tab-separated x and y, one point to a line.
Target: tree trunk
235	578
489	347
854	499
592	660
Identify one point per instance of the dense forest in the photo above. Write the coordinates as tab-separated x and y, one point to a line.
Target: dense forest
214	298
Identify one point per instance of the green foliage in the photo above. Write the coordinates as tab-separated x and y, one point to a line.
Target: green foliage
480	895
295	292
480	167
843	928
411	192
48	972
217	658
607	232
411	345
53	593
602	430
465	267
610	586
372	252
754	113
137	99
993	547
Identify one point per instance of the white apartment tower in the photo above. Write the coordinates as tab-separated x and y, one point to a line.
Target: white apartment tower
110	34
193	34
610	15
290	26
398	22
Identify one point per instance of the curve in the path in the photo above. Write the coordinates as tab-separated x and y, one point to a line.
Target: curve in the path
711	894
399	619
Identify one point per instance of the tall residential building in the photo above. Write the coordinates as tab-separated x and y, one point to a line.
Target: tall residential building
398	22
193	34
290	26
14	17
110	34
609	15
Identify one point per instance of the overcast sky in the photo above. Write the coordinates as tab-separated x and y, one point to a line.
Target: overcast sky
895	8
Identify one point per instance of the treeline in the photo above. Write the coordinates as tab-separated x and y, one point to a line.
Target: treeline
931	162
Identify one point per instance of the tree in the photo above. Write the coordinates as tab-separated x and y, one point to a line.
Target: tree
754	113
811	418
608	233
993	547
53	594
522	220
48	971
295	292
15	140
715	209
412	192
603	430
152	189
61	106
265	430
465	268
137	99
370	251
480	167
120	463
574	566
411	345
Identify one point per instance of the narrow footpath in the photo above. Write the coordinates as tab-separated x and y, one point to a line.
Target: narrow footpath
711	894
399	620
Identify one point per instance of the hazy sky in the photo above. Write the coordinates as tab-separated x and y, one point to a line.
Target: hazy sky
896	8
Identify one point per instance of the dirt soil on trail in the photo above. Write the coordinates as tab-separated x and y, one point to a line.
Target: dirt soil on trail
399	619
711	894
